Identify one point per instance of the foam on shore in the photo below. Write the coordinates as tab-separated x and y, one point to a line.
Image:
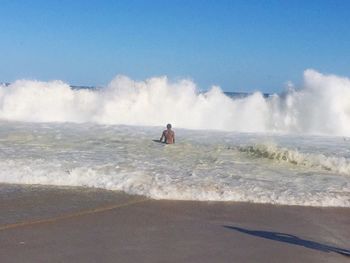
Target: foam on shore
202	165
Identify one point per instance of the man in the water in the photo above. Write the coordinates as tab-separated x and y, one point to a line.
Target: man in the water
168	135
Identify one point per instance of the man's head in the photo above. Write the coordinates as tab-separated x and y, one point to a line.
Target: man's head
168	126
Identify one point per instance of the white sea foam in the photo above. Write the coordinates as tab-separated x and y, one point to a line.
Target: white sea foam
335	164
321	106
202	165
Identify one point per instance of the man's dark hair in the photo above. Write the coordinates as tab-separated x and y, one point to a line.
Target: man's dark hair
168	126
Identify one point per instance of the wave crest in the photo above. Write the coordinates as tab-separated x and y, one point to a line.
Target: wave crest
335	164
321	106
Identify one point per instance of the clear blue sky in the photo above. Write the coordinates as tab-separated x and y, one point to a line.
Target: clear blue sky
240	45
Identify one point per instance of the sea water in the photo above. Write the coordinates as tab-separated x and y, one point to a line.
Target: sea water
282	149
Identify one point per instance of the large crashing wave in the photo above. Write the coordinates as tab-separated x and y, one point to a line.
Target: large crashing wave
321	106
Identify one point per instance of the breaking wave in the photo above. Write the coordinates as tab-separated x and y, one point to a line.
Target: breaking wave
335	164
202	165
321	106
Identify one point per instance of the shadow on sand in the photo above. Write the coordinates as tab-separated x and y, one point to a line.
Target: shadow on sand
290	239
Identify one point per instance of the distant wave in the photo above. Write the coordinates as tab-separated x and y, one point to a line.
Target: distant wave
321	106
335	164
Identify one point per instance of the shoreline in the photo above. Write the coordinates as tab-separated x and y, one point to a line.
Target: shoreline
87	225
86	189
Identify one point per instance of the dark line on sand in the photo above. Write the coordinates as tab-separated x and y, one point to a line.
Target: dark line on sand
69	216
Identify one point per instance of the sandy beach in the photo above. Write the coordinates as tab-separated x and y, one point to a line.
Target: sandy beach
47	224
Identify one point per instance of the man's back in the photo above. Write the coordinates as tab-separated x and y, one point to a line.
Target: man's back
169	136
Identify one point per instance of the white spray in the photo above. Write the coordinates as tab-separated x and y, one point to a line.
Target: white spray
322	106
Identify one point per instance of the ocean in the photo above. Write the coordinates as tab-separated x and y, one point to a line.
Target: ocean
287	149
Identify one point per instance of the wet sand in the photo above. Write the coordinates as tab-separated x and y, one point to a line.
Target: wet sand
47	224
